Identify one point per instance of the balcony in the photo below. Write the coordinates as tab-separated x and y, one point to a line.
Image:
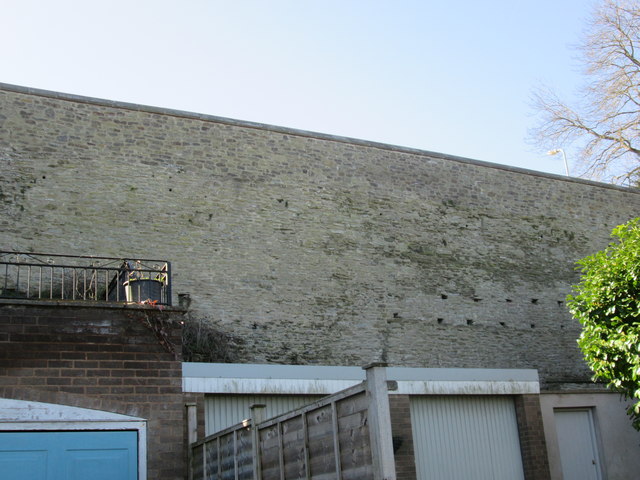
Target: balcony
40	276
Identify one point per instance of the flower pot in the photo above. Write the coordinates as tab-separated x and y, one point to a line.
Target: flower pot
141	290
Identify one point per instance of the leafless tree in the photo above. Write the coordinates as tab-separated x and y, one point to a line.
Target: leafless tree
604	126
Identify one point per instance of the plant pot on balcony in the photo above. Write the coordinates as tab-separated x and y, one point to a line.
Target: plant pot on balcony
142	290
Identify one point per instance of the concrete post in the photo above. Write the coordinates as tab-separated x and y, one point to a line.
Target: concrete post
192	422
380	423
192	434
257	417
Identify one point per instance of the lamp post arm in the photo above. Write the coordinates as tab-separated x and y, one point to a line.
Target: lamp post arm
566	165
555	151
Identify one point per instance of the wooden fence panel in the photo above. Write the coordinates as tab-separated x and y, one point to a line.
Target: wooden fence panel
293	449
329	439
244	454
197	462
353	435
320	434
352	404
227	457
212	450
270	452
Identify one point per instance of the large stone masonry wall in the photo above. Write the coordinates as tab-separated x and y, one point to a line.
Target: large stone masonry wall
106	359
308	248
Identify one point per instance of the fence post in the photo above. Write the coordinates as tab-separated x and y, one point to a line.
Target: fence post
192	422
380	423
257	417
192	433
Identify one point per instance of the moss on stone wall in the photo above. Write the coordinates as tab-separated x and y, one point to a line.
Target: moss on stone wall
308	248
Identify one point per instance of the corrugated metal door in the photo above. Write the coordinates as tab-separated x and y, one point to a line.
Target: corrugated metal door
69	455
222	411
577	443
458	438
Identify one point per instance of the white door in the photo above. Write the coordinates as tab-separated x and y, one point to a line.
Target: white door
466	437
577	443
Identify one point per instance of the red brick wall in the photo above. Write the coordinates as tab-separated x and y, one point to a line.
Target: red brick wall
122	360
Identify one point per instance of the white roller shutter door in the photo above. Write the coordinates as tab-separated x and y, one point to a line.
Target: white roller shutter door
463	437
222	411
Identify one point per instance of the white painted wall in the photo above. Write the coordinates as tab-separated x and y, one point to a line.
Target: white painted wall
618	442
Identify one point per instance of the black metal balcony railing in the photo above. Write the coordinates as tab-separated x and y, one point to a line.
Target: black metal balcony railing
39	276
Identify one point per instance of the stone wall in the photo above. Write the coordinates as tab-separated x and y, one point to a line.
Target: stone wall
103	359
308	248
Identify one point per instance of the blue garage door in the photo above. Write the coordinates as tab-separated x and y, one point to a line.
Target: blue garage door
69	455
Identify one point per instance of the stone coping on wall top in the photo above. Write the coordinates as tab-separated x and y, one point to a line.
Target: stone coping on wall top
89	304
296	132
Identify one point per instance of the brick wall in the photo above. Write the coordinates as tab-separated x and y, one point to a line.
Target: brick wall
532	442
107	359
402	437
306	248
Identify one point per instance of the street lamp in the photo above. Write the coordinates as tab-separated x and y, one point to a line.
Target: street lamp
555	151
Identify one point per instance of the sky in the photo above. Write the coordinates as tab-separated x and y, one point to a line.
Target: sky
447	76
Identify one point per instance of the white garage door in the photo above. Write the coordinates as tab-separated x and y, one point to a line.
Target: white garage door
222	411
464	437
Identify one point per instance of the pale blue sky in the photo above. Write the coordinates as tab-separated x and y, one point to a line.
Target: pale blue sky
446	76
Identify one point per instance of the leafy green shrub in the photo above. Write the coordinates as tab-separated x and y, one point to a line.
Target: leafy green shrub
607	304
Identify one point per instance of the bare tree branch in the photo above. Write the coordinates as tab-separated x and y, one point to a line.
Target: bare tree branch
604	130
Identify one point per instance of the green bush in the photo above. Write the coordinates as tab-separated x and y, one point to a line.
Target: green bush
607	304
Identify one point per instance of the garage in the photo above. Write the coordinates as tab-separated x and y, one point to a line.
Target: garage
223	411
51	441
462	437
98	455
462	422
